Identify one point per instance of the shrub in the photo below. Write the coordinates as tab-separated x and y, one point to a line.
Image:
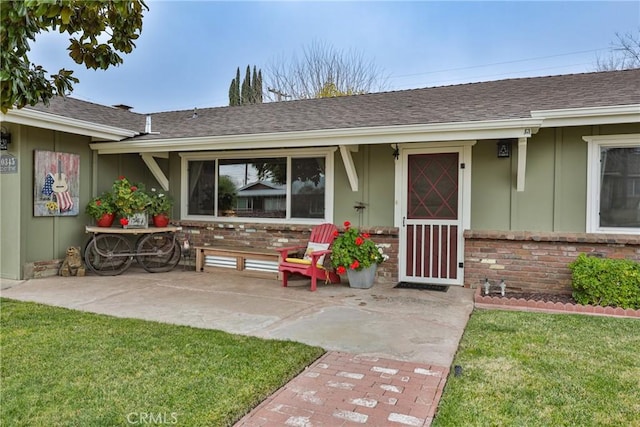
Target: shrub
606	282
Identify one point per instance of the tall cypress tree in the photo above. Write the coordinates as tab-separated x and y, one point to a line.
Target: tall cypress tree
234	90
245	95
237	89
251	90
257	87
233	95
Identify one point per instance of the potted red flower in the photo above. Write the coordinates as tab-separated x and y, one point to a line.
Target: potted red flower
160	207
102	209
131	202
355	254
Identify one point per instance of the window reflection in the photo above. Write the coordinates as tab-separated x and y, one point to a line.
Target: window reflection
307	188
252	188
257	188
620	187
201	186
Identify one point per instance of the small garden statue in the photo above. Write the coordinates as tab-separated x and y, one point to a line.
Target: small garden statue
72	264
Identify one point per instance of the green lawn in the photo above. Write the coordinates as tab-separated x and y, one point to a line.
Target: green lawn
531	369
64	367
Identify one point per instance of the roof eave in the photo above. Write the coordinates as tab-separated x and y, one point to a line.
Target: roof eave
614	114
28	117
455	131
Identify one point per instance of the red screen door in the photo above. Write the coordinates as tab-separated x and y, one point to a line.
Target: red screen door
432	224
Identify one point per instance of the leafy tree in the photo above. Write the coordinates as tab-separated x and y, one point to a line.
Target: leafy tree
330	90
323	71
227	194
24	83
624	54
251	90
304	169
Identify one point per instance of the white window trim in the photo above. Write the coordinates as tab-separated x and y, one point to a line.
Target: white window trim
595	143
326	152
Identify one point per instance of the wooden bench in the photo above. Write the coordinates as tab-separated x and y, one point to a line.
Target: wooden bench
248	261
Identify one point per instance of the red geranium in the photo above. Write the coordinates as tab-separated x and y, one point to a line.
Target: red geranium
124	221
352	250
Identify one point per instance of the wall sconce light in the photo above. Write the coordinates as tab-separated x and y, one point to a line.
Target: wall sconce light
504	148
5	138
396	152
359	206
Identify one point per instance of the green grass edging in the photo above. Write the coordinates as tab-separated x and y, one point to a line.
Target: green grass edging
65	367
535	369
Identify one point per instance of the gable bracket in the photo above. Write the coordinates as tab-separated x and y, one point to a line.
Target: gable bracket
151	163
522	163
352	174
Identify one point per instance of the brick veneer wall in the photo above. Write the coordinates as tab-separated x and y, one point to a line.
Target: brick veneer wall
537	261
272	236
40	269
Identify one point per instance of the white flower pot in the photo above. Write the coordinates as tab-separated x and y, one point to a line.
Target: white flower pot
138	220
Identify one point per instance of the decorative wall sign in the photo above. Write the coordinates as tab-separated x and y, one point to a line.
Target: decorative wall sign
56	187
8	163
504	148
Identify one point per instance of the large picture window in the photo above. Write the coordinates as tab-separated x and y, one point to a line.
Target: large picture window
614	184
262	187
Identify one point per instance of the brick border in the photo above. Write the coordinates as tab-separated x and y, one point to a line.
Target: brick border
521	304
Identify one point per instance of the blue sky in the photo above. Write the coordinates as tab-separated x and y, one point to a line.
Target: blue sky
189	50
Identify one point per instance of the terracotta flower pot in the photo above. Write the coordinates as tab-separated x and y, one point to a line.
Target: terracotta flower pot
105	220
160	220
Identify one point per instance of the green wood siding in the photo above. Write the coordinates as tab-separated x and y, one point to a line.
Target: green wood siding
491	179
532	209
11	213
375	167
555	196
26	238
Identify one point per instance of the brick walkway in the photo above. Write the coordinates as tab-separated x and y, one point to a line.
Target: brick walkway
342	389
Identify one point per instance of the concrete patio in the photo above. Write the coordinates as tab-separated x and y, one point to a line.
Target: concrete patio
402	324
389	350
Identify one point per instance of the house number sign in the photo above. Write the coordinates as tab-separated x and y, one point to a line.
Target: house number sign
8	163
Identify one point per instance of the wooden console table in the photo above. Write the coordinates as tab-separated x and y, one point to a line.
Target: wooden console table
111	250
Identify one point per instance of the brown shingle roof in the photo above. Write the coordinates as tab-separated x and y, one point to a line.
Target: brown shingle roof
495	100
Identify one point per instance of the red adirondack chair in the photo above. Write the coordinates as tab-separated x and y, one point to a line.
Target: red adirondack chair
311	265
